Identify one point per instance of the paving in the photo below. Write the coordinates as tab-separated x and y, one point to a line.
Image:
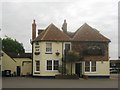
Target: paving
30	82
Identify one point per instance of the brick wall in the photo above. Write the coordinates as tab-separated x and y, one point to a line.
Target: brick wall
81	46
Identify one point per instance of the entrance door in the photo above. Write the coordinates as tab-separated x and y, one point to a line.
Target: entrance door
18	70
78	69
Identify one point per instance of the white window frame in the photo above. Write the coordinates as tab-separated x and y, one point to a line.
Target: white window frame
47	65
49	48
90	68
52	65
64	46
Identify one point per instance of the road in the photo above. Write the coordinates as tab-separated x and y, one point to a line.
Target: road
29	82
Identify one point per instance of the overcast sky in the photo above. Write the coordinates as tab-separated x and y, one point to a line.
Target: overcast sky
100	14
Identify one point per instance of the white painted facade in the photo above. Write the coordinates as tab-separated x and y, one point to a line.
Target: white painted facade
44	56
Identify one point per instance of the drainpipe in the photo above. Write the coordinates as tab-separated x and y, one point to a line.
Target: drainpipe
32	59
62	58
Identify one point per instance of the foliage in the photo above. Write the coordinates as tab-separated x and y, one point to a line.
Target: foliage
12	45
62	69
72	57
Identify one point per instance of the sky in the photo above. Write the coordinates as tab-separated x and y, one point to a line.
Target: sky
16	17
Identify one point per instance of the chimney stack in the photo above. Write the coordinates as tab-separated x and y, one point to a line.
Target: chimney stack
64	27
33	30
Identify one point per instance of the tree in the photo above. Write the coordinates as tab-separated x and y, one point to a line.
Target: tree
12	45
72	57
62	69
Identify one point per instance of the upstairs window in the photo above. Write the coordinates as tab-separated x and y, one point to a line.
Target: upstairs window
49	47
67	47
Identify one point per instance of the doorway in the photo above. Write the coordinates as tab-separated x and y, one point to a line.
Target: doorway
78	69
18	70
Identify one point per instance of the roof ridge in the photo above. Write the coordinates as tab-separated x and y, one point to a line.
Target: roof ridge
90	30
9	56
61	31
47	29
79	29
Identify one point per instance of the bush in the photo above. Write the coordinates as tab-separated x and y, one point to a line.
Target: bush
62	69
85	76
67	76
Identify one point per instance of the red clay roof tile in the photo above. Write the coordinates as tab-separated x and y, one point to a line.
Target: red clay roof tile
87	33
52	33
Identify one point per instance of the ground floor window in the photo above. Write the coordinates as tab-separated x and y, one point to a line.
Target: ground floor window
56	64
52	65
93	66
87	66
37	65
90	66
49	64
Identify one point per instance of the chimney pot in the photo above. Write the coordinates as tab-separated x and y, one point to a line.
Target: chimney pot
64	27
64	21
34	21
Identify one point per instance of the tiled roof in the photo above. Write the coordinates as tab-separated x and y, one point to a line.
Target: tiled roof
19	55
70	34
87	33
40	30
52	33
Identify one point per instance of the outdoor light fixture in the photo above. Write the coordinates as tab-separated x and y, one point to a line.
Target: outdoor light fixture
57	53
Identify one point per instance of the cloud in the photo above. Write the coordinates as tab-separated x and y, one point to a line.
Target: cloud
0	14
100	14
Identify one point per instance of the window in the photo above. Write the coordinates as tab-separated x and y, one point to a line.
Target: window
48	47
49	64
90	66
52	65
67	47
56	64
87	66
93	66
37	65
